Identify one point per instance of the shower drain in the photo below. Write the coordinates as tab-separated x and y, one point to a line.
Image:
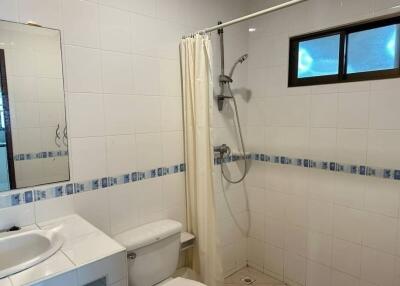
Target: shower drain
248	280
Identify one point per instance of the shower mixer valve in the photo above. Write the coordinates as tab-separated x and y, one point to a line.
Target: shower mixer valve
222	150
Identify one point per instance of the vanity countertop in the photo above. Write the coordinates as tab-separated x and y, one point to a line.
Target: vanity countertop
83	244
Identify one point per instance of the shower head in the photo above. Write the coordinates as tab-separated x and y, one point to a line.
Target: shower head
239	61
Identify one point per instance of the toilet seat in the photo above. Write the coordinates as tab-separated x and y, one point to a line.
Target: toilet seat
179	281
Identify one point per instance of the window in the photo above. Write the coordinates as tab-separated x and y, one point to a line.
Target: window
357	52
318	57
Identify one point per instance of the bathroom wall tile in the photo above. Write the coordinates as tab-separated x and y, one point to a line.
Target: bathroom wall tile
174	190
318	274
172	148
147	75
296	210
99	212
346	257
275	203
117	73
121	154
377	267
124	213
324	109
319	248
323	143
17	216
380	232
256	253
343	279
273	260
256	197
383	112
9	10
353	110
171	114
349	191
352	146
44	12
86	112
296	240
150	198
80	23
88	158
149	150
51	209
115	34
383	148
382	197
83	69
120	114
348	223
320	216
274	232
170	83
295	268
148	114
257	226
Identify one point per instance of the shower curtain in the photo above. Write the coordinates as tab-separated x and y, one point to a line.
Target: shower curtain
197	90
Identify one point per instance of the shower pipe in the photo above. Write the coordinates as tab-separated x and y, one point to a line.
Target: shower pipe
250	16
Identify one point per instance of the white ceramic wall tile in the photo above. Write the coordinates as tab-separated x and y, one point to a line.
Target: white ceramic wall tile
83	69
17	216
88	158
318	274
86	113
377	267
51	209
121	154
324	110
98	212
117	73
81	23
44	12
346	257
148	114
9	10
295	268
120	114
115	34
319	248
147	75
380	232
348	223
124	213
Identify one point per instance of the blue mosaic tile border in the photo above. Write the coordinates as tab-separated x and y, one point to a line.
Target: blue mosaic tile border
26	197
16	199
40	155
362	170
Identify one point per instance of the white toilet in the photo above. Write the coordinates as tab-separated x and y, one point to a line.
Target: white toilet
153	253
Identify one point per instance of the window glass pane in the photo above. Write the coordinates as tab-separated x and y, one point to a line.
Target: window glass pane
374	49
319	57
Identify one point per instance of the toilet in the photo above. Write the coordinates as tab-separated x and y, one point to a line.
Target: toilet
153	254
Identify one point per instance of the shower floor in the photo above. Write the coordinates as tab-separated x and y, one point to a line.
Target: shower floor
258	278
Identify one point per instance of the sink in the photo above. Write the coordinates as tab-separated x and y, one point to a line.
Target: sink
26	249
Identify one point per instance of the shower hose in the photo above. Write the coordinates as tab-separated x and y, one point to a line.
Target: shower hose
241	142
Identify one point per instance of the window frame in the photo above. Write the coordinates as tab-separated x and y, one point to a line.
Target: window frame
342	75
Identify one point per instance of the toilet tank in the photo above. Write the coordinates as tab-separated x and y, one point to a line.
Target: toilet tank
153	251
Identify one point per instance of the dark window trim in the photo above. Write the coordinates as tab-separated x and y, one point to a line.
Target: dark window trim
342	76
6	106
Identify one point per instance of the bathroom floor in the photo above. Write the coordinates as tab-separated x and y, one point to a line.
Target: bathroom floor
256	278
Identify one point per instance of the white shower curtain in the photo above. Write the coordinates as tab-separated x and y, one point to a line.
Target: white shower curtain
197	89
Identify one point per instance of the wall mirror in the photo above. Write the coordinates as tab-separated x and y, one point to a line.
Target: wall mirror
33	130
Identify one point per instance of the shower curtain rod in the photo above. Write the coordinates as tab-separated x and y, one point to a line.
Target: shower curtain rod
241	19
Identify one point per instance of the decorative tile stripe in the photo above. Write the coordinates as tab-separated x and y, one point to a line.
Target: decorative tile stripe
15	198
11	199
362	170
40	155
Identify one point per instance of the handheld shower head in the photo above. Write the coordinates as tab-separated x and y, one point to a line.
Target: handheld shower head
239	61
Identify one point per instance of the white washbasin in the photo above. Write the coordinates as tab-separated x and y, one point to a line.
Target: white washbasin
23	250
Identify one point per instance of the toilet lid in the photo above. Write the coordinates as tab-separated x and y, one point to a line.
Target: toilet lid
183	282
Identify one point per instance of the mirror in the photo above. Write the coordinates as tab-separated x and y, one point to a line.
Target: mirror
33	130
